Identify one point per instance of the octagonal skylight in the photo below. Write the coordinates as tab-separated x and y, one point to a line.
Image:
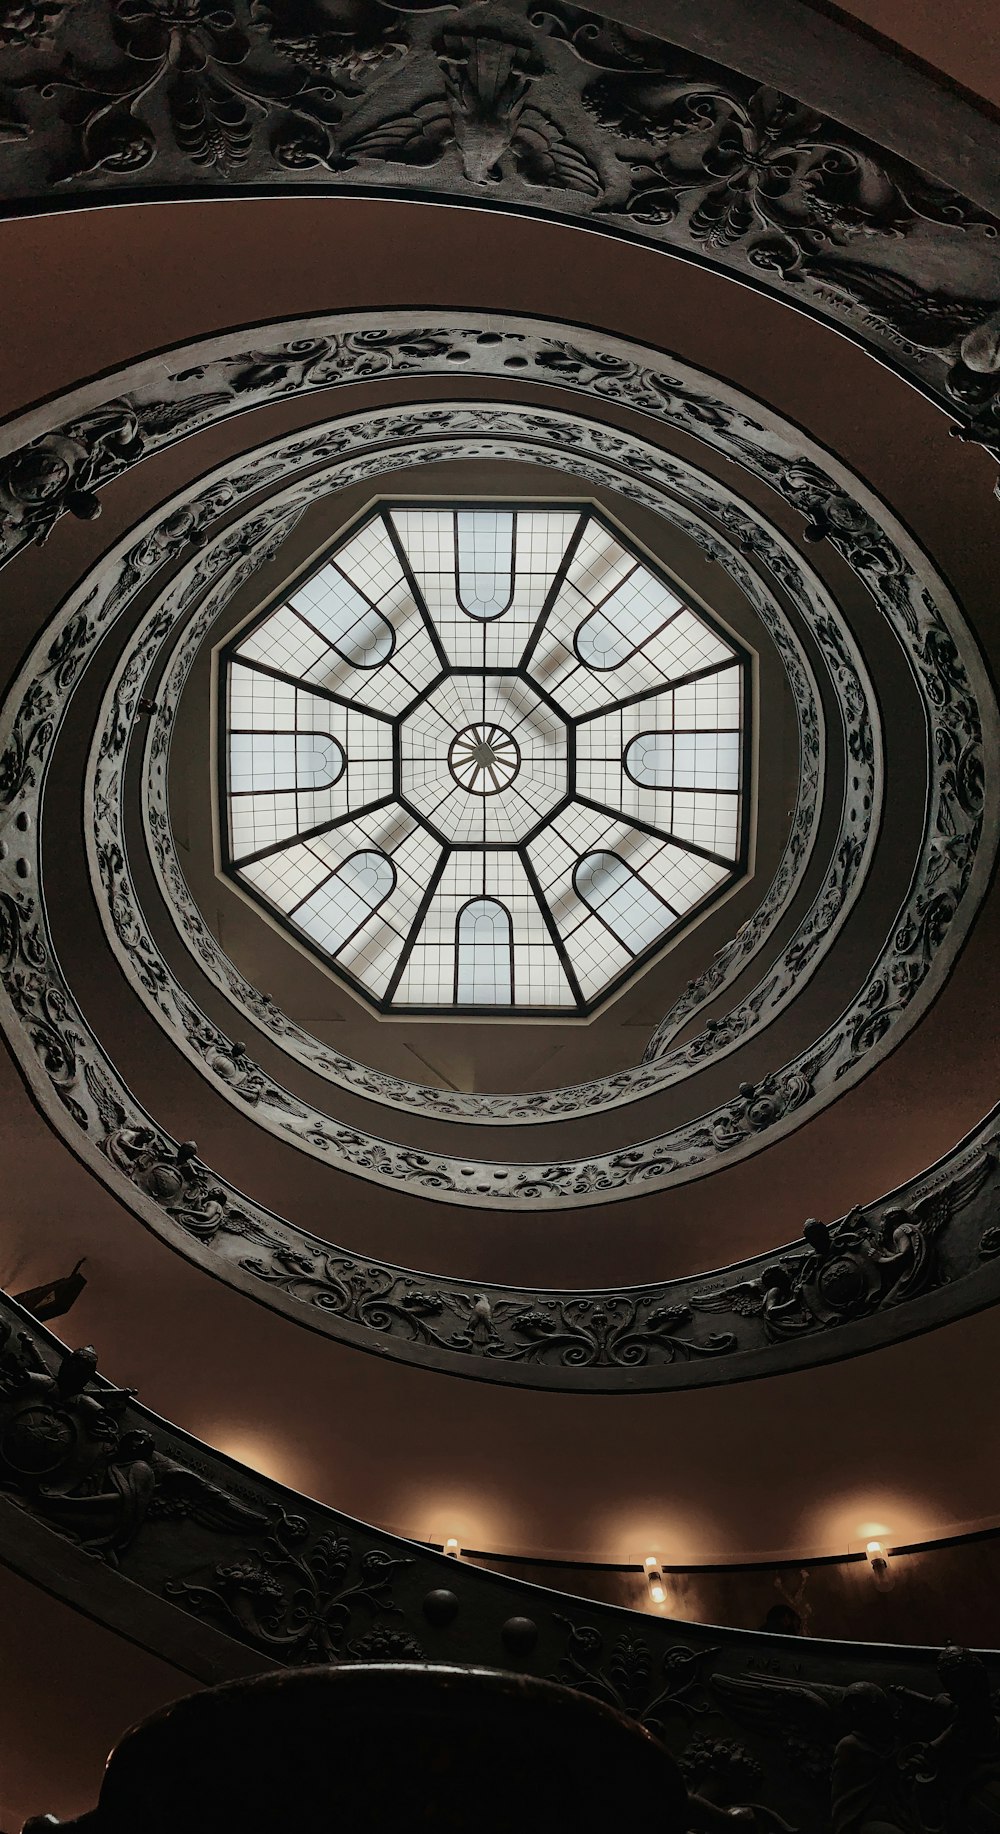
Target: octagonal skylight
486	759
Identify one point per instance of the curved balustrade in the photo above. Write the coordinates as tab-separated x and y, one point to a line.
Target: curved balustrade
225	1573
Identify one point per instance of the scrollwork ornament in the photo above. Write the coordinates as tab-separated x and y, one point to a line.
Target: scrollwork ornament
81	1083
818	928
545	107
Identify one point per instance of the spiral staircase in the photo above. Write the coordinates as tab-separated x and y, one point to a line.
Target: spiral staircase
580	1334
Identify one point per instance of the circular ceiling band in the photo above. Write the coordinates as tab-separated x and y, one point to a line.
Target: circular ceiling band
810	940
924	1254
233	1073
642	1165
430	1320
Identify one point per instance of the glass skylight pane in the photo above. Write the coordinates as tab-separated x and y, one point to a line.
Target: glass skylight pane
485	541
484	970
457	762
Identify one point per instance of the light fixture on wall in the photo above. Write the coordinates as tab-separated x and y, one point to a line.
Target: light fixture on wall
878	1560
453	1547
654	1580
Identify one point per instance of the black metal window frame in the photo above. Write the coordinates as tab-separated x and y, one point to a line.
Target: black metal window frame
586	511
477	616
484	898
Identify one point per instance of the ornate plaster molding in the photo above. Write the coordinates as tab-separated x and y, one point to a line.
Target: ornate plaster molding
929	628
174	1194
551	111
781	981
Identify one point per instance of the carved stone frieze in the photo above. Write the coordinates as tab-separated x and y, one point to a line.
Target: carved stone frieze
547	108
295	1596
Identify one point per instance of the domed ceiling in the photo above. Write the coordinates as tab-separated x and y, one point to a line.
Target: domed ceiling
587	663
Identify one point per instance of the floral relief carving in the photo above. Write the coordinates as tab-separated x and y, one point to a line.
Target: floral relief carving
750	165
543	106
189	55
294	1595
629	1677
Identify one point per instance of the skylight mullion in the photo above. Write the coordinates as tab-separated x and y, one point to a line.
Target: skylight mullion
418	597
552	928
312	834
556	587
659	834
417	925
313	687
665	686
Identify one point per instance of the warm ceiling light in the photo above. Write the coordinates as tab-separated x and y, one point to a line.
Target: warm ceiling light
654	1580
878	1560
453	1547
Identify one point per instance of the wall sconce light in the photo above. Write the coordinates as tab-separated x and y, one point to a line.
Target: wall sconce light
654	1580
453	1547
878	1560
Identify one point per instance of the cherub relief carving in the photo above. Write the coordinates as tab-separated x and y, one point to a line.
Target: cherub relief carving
860	1265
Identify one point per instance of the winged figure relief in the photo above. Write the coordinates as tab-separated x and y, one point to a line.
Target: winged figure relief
900	1762
932	322
484	110
854	1728
141	1483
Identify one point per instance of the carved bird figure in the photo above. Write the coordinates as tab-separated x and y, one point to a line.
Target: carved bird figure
484	111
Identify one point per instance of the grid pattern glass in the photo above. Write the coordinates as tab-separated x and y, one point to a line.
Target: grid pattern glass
485	757
484	955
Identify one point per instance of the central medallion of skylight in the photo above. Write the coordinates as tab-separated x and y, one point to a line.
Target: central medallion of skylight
485	759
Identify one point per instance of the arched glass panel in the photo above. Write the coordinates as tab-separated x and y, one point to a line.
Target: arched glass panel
649	760
353	894
484	955
345	619
630	908
630	615
484	550
263	761
689	760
